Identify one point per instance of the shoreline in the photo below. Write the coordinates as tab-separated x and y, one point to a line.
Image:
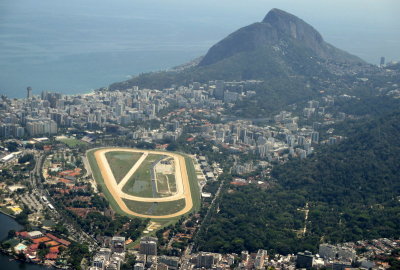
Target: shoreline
90	92
9	215
12	255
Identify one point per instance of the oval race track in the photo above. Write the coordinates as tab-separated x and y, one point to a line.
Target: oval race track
181	178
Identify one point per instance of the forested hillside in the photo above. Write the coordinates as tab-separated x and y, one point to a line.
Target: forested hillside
352	191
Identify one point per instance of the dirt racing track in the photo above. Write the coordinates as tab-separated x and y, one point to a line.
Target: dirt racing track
181	179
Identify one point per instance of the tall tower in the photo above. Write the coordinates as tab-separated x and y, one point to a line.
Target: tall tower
382	63
29	92
219	89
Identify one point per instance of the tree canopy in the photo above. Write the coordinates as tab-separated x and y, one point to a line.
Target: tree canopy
351	189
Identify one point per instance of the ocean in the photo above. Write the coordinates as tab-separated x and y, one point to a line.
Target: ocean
76	46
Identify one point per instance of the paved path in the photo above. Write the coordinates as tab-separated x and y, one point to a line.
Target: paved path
132	170
181	178
153	176
87	167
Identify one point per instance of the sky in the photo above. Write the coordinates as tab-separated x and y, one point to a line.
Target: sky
360	26
82	44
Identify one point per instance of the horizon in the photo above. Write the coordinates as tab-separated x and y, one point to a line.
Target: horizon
111	42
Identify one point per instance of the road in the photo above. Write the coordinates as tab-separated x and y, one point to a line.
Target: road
153	176
87	167
209	210
35	198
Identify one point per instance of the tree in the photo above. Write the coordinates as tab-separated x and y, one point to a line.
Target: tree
22	218
172	146
5	245
26	158
11	233
42	245
12	146
61	229
130	263
350	190
77	252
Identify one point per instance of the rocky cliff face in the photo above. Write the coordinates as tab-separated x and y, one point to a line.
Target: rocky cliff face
277	28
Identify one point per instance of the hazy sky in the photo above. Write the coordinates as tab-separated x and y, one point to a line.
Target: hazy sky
363	27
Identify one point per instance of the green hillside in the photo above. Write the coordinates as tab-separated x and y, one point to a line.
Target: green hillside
352	190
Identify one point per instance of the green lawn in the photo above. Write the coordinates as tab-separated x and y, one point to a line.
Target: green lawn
72	142
140	182
194	183
156	209
121	162
162	183
172	182
13	242
6	210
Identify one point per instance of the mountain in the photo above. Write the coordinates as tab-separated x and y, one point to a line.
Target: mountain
352	191
280	45
285	52
276	32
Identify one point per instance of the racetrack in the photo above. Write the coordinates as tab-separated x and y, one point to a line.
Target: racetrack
181	176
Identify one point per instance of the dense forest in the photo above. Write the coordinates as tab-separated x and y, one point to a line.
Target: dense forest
351	190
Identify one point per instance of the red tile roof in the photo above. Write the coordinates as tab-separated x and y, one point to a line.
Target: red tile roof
22	234
33	247
51	256
54	249
239	183
61	241
79	187
40	240
65	181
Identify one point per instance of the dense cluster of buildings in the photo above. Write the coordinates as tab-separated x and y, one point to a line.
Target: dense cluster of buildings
371	255
110	258
337	257
200	108
45	114
116	111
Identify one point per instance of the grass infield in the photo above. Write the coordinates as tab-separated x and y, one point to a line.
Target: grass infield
168	207
140	183
157	209
121	162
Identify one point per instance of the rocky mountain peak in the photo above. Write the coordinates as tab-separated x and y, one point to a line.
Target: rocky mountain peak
278	27
293	26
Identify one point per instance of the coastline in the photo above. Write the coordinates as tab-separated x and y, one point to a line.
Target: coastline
9	215
12	257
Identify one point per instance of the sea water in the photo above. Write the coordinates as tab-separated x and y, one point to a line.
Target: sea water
76	46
